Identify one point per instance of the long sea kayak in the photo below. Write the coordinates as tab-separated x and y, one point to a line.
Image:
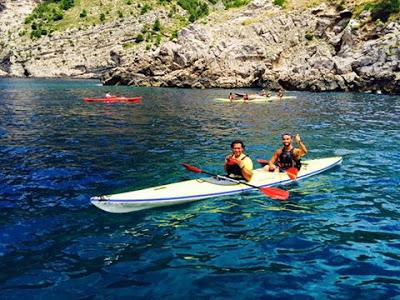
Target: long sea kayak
114	99
197	189
259	99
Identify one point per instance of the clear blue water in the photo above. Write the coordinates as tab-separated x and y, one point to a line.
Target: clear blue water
337	238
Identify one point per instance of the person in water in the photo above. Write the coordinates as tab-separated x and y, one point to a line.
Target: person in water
237	164
262	93
280	93
265	93
287	156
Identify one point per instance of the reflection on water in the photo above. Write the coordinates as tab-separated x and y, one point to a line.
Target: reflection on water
337	235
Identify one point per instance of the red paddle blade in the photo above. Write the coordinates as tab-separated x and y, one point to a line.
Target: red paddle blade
292	173
263	162
191	168
275	193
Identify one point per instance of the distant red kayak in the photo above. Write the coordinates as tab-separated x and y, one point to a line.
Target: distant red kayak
114	99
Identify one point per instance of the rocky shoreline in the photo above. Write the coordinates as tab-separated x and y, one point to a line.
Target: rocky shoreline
261	45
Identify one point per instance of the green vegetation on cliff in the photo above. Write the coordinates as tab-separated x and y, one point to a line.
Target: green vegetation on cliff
383	9
195	8
163	19
59	15
235	3
46	14
281	3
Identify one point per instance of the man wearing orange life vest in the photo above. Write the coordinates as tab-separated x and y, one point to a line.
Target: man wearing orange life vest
238	165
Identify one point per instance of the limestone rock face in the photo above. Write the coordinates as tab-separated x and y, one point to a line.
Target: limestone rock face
319	49
13	13
260	45
85	52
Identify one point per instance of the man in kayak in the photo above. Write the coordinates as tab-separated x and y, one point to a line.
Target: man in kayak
262	93
265	93
287	156
280	94
231	96
238	165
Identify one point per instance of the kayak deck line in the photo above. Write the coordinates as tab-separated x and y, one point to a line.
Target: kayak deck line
106	202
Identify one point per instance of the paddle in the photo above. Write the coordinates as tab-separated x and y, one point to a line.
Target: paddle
292	173
263	162
271	192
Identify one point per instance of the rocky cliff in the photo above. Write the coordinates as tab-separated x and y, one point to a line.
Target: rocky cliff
318	49
323	48
12	15
81	52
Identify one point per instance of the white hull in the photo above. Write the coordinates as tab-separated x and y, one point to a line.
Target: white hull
197	189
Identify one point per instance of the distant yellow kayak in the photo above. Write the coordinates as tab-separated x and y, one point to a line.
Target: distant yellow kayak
255	99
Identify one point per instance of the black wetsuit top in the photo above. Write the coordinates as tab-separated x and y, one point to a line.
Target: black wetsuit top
288	160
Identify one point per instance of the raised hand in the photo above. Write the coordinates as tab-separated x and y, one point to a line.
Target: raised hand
297	138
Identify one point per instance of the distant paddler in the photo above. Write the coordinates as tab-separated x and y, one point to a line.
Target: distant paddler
264	93
108	95
280	93
250	97
245	96
232	96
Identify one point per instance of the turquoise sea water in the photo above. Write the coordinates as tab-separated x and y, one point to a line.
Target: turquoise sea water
337	238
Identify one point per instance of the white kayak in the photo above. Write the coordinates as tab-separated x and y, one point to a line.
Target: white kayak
258	99
197	189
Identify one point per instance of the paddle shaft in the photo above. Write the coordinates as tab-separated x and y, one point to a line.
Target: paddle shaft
271	192
231	179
